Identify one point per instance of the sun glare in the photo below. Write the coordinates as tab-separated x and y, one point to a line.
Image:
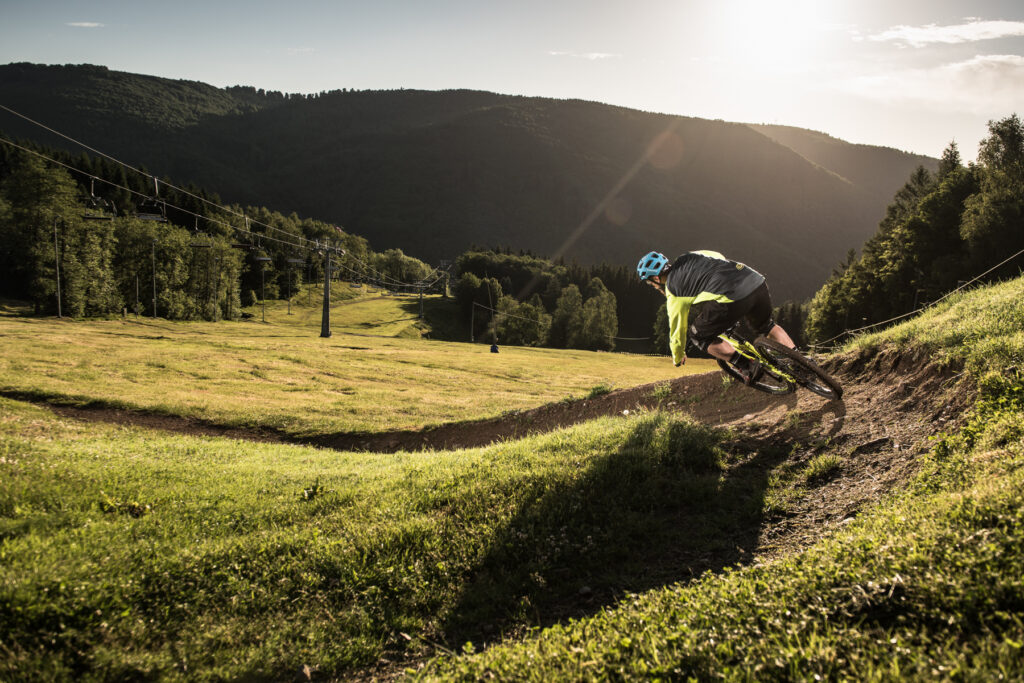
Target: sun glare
773	34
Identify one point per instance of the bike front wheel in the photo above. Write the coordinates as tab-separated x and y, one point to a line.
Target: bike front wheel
805	371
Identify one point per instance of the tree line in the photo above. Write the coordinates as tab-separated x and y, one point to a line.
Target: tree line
80	232
66	230
129	242
524	300
941	230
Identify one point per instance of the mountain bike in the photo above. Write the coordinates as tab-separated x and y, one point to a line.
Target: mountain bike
782	368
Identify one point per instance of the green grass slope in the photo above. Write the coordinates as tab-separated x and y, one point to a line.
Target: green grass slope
128	554
374	373
131	554
927	586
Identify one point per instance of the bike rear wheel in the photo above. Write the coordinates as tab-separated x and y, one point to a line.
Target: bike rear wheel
769	382
805	371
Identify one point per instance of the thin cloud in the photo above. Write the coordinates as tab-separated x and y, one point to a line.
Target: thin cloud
589	56
982	85
300	50
85	24
970	32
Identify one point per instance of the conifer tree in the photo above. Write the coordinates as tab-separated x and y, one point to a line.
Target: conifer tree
41	199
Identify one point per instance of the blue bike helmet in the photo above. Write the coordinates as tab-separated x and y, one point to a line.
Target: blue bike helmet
650	265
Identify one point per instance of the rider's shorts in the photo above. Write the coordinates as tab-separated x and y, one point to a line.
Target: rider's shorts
711	318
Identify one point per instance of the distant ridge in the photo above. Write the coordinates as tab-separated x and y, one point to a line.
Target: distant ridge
434	173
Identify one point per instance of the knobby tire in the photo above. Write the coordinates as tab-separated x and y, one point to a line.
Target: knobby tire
806	372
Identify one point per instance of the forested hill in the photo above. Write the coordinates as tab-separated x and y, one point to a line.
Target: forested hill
434	173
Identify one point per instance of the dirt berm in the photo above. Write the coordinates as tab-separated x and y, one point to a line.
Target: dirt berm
892	403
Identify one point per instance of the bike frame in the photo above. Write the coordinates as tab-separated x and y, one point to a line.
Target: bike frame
747	349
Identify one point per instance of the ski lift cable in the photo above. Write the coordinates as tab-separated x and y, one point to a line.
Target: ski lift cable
384	278
386	281
922	308
308	246
140	194
503	314
142	173
156	186
374	281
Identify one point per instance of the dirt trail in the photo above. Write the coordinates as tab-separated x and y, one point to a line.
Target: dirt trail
884	399
708	397
892	404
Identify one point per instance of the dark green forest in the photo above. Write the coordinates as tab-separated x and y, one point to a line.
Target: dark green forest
942	230
435	173
112	240
537	302
82	237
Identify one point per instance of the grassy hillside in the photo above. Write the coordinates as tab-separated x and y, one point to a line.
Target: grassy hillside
369	376
127	553
925	586
435	173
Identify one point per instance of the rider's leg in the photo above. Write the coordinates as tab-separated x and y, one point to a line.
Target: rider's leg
759	314
721	349
750	369
780	335
709	319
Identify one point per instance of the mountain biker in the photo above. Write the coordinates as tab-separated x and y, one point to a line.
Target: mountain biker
721	292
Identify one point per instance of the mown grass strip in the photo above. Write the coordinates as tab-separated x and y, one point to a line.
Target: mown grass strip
287	378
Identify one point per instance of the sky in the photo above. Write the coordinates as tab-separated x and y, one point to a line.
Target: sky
914	75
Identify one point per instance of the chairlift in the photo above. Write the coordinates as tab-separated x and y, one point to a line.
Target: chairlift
201	244
98	204
152	209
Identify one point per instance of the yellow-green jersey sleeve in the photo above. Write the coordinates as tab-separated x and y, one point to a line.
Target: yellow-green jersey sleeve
678	315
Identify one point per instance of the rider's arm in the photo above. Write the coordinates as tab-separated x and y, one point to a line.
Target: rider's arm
678	315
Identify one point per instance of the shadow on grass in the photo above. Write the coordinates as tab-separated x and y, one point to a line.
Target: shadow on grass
670	504
441	316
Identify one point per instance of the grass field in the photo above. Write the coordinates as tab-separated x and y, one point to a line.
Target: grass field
130	554
368	376
127	553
